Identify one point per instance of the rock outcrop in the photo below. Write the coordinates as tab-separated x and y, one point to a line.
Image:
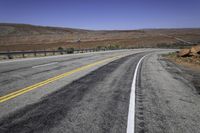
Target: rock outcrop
193	51
184	52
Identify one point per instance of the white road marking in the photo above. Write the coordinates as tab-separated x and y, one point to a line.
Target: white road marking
45	65
131	112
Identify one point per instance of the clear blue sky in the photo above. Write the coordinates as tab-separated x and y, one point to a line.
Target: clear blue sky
103	14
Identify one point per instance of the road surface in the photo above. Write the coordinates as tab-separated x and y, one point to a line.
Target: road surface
97	93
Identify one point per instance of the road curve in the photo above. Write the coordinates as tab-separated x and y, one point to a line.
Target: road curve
97	99
97	102
22	75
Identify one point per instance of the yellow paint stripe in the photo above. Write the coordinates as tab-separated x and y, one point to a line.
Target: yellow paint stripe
40	84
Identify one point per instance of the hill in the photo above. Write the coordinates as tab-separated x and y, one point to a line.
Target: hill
30	37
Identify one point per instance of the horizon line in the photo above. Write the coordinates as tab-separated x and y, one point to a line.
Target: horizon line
89	29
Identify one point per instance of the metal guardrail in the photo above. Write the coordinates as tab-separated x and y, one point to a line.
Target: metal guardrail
10	54
25	52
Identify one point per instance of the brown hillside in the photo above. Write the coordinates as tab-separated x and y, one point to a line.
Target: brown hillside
29	37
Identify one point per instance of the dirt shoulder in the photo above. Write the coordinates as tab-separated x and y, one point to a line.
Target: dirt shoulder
192	63
167	102
189	66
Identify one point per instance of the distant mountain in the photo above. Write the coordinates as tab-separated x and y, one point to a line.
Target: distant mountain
25	29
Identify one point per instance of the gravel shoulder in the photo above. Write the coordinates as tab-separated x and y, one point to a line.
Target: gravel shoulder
167	101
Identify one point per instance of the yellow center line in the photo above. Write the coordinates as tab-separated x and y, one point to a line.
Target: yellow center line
40	84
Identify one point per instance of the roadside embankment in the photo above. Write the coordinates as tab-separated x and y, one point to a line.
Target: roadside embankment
188	61
186	57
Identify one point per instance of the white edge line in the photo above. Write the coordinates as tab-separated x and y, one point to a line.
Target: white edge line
45	65
131	112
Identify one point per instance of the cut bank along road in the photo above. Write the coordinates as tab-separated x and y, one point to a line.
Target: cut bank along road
98	102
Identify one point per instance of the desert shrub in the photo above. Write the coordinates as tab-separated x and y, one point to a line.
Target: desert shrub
61	50
70	50
10	56
99	47
112	47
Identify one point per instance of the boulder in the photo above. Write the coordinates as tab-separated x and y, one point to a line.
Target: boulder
184	52
195	50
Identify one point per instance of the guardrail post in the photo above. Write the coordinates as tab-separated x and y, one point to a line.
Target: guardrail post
35	53
45	54
23	55
9	56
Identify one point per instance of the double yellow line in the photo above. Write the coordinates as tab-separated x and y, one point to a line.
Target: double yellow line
40	84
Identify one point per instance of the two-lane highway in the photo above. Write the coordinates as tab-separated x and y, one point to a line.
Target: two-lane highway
101	92
21	79
97	102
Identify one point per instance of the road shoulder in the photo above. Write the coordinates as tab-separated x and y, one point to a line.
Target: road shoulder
166	101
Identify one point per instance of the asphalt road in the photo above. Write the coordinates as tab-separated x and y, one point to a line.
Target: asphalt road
95	98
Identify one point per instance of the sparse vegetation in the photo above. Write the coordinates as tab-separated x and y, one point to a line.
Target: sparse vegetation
61	49
192	60
17	37
186	56
10	57
70	50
